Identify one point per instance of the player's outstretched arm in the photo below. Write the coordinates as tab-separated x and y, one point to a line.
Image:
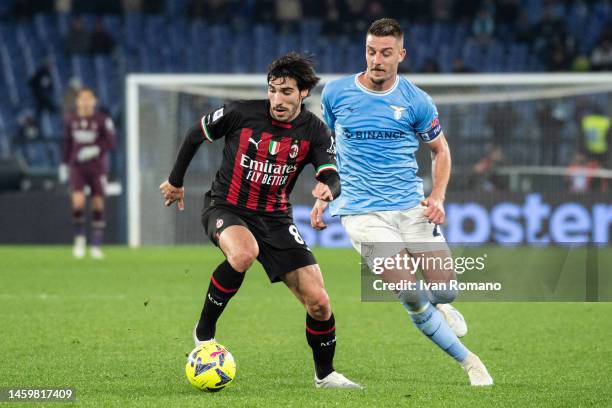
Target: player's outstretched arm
172	189
441	168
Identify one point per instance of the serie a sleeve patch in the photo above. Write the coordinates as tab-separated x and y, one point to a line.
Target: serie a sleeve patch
434	130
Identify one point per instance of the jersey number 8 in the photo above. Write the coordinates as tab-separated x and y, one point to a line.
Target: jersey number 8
296	234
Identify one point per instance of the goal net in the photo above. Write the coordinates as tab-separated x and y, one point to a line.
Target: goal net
509	134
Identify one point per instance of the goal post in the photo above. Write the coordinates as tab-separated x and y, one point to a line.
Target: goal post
161	107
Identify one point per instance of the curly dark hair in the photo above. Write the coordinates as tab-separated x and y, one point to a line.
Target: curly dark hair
386	27
296	66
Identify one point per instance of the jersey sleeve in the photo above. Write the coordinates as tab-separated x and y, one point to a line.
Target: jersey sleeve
426	122
328	116
220	121
67	147
109	140
323	153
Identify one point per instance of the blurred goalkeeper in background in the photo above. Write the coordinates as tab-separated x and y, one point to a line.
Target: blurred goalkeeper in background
88	136
247	213
378	119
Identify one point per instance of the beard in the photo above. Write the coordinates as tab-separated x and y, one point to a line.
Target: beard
377	80
288	114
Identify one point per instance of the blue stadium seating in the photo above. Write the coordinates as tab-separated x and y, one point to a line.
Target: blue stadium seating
171	43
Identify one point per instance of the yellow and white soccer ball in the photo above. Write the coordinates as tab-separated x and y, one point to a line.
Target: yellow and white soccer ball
210	367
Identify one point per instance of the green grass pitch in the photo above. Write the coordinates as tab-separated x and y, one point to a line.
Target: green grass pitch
119	330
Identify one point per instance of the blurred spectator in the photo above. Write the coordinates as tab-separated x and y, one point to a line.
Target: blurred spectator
466	10
314	9
153	6
483	26
77	40
578	178
552	117
289	11
131	6
548	27
22	10
41	85
501	119
581	63
459	66
485	169
96	7
63	6
215	11
441	10
354	16
288	14
601	58
332	18
28	133
523	31
560	59
595	136
375	11
25	9
551	41
411	10
507	12
101	41
431	66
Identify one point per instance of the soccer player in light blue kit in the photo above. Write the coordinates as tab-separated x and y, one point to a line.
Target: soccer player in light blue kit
378	119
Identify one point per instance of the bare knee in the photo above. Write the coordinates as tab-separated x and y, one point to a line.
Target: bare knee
97	203
78	201
318	306
243	259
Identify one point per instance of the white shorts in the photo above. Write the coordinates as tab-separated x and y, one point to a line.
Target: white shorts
394	231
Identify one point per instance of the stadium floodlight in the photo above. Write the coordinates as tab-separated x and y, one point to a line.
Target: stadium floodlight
528	110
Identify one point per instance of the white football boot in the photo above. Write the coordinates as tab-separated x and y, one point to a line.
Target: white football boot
80	243
96	253
454	319
476	370
197	341
336	380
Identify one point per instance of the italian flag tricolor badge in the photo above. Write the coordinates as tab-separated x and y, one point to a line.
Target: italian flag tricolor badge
274	147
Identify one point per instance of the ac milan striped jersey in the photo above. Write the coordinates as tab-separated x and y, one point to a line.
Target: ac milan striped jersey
262	157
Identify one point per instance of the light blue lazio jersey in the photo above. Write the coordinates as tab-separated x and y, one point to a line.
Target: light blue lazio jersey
377	135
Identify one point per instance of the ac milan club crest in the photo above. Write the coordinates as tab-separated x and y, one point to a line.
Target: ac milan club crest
294	151
219	223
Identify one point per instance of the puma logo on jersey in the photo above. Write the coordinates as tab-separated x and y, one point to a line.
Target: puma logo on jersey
251	140
397	111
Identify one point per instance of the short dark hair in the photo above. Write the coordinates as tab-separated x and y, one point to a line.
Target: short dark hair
296	66
386	27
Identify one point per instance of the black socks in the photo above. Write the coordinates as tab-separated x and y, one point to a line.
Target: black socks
321	337
224	283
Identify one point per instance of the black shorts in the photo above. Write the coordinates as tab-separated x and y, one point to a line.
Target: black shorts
281	248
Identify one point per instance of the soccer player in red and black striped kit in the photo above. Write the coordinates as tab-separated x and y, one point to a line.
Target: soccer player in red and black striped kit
247	213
